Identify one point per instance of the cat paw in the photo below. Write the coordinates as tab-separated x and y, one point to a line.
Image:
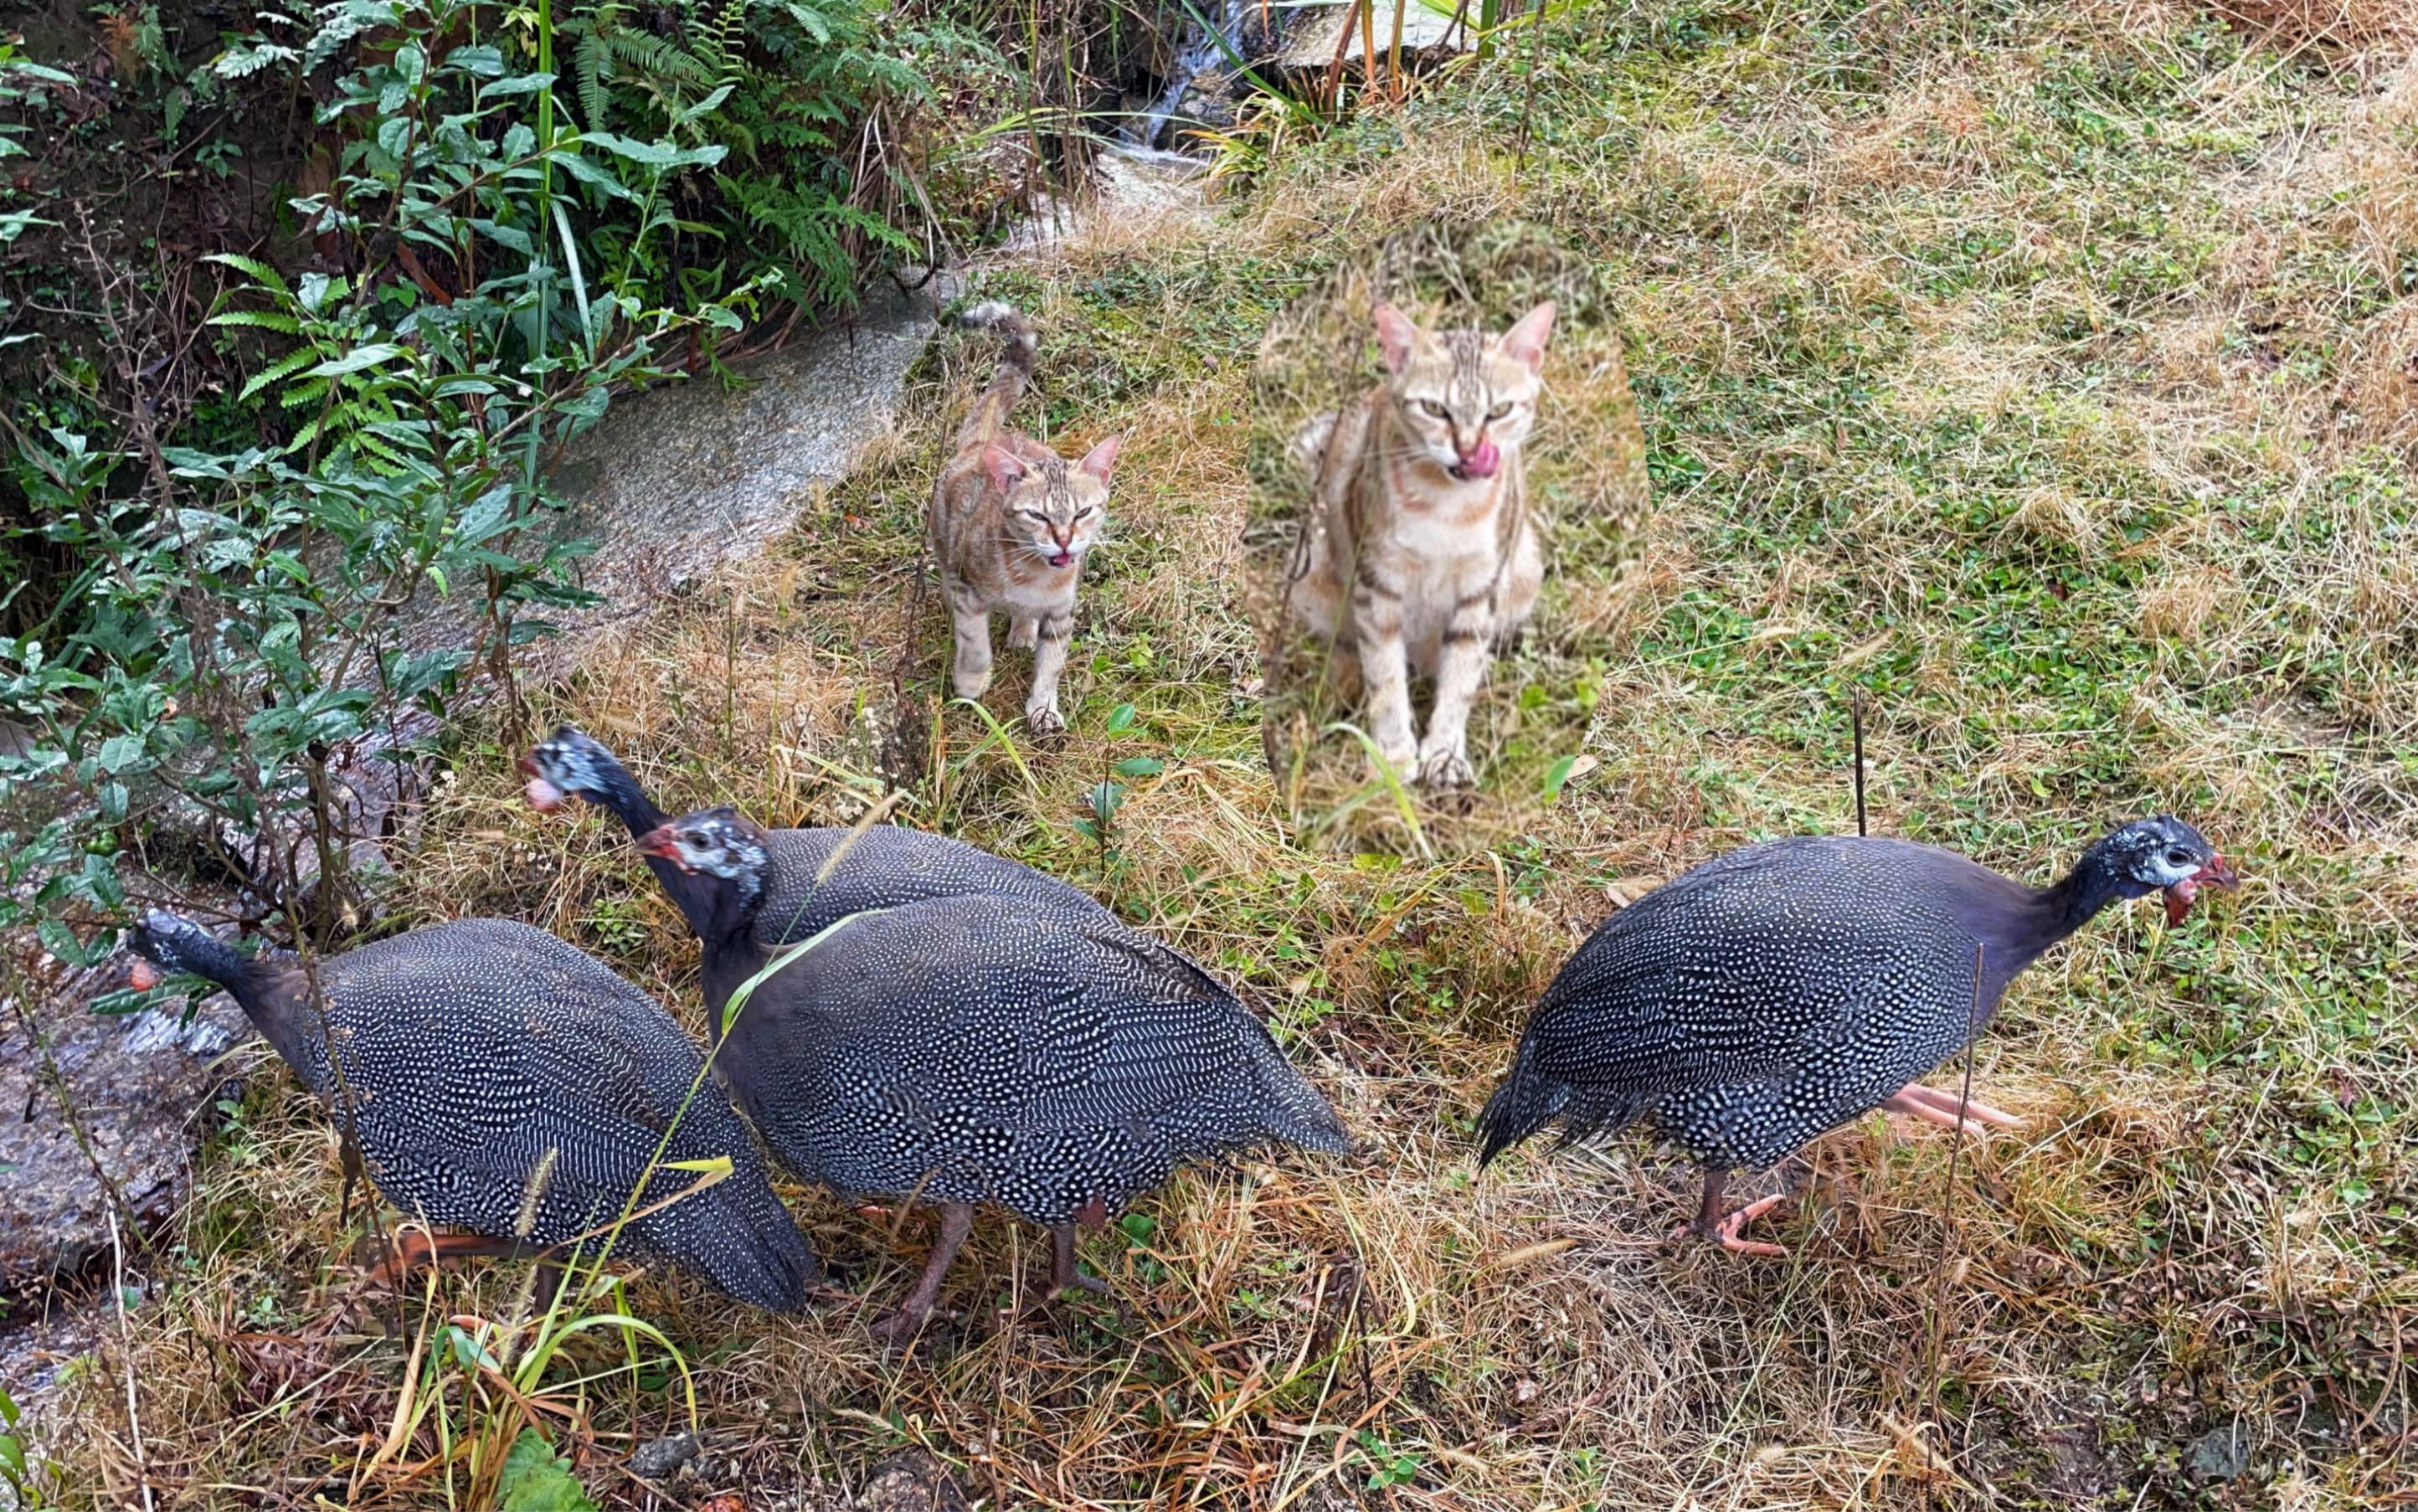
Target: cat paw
1444	770
1043	721
1400	759
972	684
1024	634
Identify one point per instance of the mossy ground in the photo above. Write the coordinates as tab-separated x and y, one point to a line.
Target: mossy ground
2046	373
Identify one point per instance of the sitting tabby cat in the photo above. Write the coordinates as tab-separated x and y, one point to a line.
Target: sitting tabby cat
1418	551
1010	524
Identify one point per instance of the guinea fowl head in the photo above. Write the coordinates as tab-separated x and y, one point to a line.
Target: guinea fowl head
165	943
571	761
2160	853
713	842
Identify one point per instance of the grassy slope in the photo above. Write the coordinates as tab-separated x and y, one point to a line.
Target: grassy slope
2041	373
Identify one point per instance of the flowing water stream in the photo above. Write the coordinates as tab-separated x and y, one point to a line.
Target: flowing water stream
1205	48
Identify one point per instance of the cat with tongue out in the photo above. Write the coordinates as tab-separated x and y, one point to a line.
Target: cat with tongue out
1419	552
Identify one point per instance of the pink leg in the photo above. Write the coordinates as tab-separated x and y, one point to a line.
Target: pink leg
1727	1229
956	1221
1712	1224
1941	1108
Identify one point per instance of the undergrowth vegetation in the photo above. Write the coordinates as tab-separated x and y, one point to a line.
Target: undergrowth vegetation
2047	374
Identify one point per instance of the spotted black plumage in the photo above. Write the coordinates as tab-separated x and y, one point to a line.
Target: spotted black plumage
999	1051
1775	992
984	1049
479	1052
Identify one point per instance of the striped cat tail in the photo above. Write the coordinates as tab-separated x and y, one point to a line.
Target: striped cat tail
989	415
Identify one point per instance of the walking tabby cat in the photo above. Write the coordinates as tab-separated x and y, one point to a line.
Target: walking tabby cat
1011	522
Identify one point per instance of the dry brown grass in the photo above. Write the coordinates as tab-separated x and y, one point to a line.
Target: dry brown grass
2305	24
2095	546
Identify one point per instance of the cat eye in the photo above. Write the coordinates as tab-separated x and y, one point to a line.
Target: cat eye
1432	408
1081	513
1500	410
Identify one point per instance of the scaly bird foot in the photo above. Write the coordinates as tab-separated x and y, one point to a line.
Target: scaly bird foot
1941	1107
1725	1232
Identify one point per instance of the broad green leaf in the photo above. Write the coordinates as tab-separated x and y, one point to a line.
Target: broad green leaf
519	83
480	61
367	355
655	154
536	1479
121	751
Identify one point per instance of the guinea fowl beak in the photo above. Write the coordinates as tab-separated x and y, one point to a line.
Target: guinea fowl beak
141	976
2179	898
542	794
662	845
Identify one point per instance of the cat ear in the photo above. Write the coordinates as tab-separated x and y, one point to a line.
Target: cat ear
1396	336
1526	342
1101	458
1006	469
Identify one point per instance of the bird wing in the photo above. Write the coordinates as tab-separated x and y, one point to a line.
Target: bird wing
1032	1016
1730	974
506	1048
885	866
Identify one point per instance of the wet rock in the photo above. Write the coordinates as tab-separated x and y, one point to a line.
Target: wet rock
135	1081
2220	1453
674	483
34	1360
1208	104
1311	43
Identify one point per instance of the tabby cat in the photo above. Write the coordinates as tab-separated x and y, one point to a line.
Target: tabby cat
1011	522
1418	551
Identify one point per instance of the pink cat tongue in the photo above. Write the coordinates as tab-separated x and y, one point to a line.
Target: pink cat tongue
1480	463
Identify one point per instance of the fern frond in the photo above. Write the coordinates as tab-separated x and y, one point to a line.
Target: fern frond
588	60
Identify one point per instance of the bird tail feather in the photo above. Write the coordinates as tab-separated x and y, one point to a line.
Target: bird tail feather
738	1235
1291	1108
1525	1101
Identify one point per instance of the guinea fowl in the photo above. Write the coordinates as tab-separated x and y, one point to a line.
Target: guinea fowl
485	1058
885	866
1775	992
980	1049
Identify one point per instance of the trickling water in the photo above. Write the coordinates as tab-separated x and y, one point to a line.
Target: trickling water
1203	50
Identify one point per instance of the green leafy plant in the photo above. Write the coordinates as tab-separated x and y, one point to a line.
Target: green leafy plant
245	621
22	89
16	1471
786	83
536	1479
